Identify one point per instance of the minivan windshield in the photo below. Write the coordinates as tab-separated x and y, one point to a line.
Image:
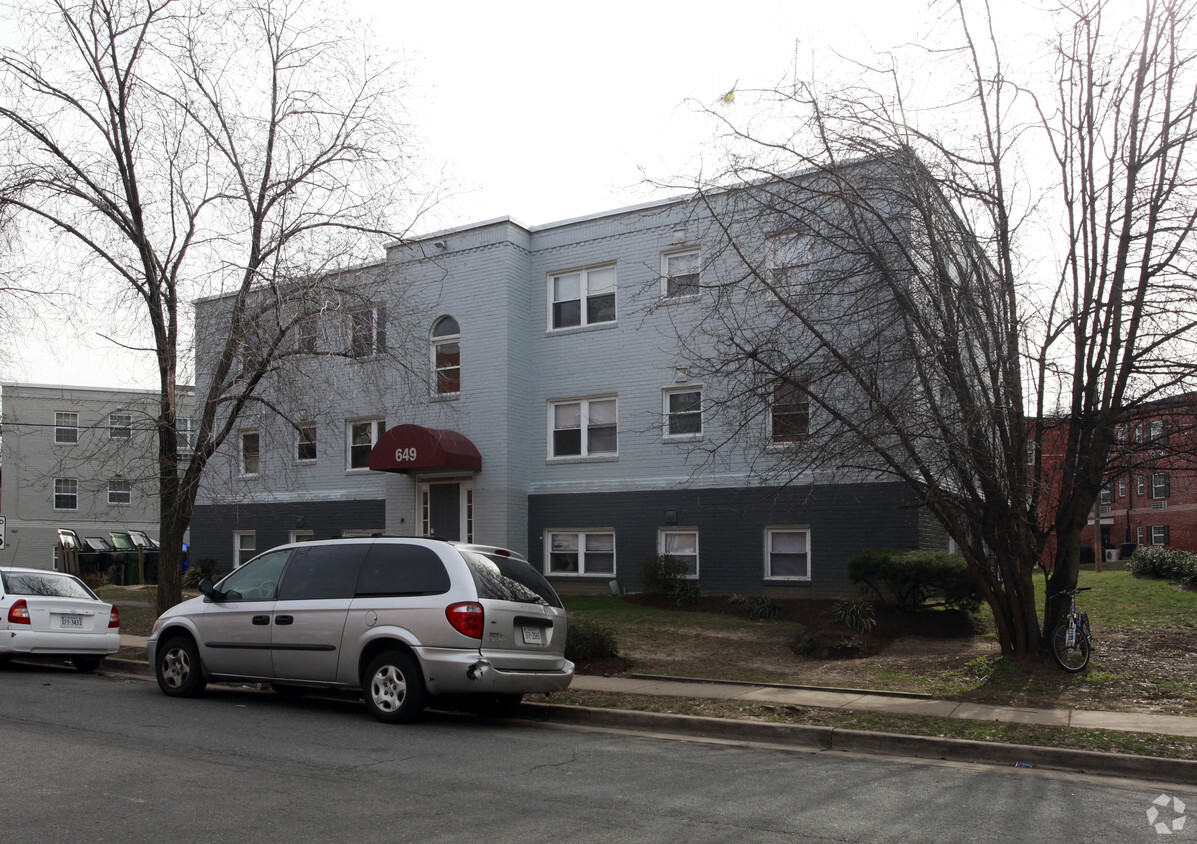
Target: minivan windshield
508	579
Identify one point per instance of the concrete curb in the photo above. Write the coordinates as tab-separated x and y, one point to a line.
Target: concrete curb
1180	771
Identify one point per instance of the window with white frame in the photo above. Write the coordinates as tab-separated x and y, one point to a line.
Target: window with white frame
1160	485
1032	450
681	545
250	452
185	434
119	491
363	435
1159	534
683	412
245	546
368	332
582	297
446	356
584	428
305	443
789	413
1106	495
66	494
1139	535
1122	487
66	428
680	273
120	426
787	553
1140	487
789	259
306	334
303	536
580	552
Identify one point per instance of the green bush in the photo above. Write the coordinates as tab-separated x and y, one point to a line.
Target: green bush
589	640
197	570
1164	563
911	578
662	574
855	613
686	593
757	606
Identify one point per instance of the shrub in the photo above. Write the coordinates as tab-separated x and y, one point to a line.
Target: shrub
1163	562
590	640
910	578
197	570
855	613
757	606
94	579
662	574
820	647
686	593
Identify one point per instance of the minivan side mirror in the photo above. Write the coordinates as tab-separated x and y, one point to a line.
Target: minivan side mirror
210	591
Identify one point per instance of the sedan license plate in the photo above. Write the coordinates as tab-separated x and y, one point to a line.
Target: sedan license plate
70	621
533	636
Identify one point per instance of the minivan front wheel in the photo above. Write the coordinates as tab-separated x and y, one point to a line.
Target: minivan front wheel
394	688
178	668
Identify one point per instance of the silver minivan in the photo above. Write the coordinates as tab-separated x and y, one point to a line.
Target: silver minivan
399	618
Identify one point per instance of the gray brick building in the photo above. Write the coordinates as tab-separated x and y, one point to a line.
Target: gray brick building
524	386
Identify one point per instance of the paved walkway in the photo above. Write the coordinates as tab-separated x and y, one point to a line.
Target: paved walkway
1138	722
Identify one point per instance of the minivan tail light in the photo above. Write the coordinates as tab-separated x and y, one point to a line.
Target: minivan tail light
114	618
466	618
18	613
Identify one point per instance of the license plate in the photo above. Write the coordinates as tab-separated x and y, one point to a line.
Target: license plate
70	621
533	636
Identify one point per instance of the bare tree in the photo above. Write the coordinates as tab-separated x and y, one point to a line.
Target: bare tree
241	150
892	313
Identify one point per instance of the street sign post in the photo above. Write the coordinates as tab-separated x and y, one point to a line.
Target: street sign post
1	533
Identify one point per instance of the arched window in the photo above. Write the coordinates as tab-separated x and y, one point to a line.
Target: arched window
446	356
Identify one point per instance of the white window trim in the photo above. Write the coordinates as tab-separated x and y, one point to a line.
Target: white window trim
663	532
55	493
185	428
306	461
74	428
665	276
583	297
769	531
377	318
377	429
772	402
1151	535
114	427
128	490
585	428
1163	486
581	533
466	504
237	535
436	342
241	435
670	391
302	535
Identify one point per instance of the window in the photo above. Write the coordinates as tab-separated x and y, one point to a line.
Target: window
594	288
1139	486
1139	535
446	356
249	452
305	335
245	545
1160	486
66	428
680	273
119	491
787	554
1106	495
584	428
1159	534
1122	487
790	256
185	434
1156	431
66	494
1032	450
305	445
581	552
362	437
790	413
682	544
369	332
302	536
120	426
683	412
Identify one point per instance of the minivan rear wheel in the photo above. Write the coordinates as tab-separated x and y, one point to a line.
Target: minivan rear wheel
394	688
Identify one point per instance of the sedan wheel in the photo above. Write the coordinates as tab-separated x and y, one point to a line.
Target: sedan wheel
394	688
178	668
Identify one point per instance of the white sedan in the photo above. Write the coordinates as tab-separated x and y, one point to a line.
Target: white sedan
45	613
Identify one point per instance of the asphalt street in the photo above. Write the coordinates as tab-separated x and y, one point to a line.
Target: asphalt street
100	758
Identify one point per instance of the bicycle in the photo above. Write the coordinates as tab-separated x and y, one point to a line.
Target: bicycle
1071	640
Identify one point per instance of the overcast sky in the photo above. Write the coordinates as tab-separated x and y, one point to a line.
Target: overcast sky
547	111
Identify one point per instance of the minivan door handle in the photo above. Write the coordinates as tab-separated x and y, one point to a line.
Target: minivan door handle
261	619
283	619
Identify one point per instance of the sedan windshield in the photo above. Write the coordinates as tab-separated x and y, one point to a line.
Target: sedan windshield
47	585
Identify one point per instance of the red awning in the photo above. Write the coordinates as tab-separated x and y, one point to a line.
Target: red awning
407	447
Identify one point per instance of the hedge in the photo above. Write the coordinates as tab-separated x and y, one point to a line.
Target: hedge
911	578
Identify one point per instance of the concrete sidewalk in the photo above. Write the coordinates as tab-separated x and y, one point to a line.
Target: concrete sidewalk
1137	722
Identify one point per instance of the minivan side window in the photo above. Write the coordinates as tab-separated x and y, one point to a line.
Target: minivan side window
257	580
392	569
507	579
322	571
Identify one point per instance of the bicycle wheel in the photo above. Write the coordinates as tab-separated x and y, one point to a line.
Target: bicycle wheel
1072	658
